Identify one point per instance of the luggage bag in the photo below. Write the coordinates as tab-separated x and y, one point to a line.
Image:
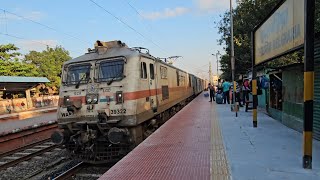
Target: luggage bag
219	98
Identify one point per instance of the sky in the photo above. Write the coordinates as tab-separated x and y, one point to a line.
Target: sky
167	28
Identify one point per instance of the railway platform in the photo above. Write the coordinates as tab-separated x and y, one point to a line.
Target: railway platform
206	141
24	120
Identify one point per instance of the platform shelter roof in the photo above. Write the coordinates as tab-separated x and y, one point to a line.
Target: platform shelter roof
18	83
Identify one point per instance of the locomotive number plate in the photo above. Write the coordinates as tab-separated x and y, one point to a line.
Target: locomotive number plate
118	111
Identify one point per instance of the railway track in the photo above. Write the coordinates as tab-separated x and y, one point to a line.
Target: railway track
17	156
19	138
82	170
23	144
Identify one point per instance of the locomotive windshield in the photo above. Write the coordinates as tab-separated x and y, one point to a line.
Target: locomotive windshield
111	70
78	74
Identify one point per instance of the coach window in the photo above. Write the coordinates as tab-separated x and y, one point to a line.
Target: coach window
143	70
151	71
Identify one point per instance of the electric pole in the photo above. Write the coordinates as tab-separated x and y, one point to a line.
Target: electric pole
232	58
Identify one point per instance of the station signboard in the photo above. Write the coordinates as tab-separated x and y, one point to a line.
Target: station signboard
280	33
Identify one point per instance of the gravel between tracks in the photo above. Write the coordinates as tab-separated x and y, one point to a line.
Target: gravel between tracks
27	168
92	172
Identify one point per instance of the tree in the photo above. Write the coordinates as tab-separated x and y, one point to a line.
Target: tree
49	63
246	16
6	53
12	65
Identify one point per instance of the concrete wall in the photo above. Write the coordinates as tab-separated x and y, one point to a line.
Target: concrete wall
292	93
262	99
275	114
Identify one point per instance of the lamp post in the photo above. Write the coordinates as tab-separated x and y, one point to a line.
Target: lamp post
217	61
218	53
232	57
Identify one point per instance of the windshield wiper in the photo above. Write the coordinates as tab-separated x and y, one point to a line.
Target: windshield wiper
109	82
82	78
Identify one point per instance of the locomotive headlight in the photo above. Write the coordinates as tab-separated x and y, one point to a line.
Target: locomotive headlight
89	100
92	98
95	100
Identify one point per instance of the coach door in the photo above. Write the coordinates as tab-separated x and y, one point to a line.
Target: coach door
152	87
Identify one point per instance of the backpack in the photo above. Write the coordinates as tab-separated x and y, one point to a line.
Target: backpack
264	83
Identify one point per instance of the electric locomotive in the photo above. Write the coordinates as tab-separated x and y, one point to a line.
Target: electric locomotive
113	97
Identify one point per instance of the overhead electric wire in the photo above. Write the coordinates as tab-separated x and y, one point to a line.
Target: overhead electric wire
46	26
196	68
5	21
21	38
10	35
120	20
135	9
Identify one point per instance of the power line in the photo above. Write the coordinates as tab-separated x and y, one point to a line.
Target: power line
196	68
39	42
46	26
5	21
120	20
135	9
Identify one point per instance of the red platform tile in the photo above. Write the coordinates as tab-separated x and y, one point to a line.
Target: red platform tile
180	149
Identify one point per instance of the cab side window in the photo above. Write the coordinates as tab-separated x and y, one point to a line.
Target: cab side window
143	70
151	71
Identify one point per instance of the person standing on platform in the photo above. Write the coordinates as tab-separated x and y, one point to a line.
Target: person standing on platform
245	90
211	89
237	98
225	88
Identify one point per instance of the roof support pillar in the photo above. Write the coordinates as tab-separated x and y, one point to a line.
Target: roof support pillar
28	98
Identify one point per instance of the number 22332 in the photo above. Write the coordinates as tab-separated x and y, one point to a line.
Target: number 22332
118	111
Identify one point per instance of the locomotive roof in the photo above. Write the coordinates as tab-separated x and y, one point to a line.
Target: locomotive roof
112	52
116	51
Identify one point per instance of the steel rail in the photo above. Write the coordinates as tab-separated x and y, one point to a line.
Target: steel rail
72	171
27	157
25	137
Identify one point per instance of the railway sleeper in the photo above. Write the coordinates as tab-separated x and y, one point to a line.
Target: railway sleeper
41	146
10	158
21	153
33	150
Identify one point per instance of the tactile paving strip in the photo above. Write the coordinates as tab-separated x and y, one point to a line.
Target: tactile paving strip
219	163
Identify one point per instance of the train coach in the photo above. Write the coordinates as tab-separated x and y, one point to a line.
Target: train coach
113	97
